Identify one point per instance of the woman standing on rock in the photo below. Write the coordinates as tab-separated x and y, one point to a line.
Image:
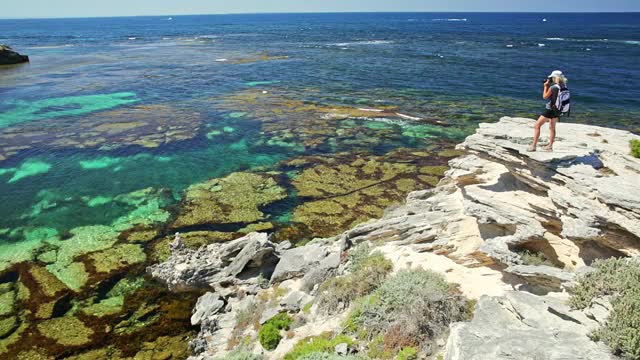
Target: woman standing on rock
554	110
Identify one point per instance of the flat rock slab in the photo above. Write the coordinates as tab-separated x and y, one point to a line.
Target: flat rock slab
525	327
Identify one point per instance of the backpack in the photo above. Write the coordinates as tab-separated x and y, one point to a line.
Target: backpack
563	101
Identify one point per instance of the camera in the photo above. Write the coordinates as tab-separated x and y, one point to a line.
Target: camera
546	79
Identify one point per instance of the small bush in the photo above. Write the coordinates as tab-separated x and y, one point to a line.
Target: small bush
409	309
635	148
357	256
281	321
240	355
336	294
269	335
618	278
610	277
316	344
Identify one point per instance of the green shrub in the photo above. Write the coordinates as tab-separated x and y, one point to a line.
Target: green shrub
635	148
610	277
281	321
317	344
408	353
618	278
240	355
410	308
337	293
357	256
269	334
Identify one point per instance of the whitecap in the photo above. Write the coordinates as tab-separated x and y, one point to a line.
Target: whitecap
555	39
364	42
542	45
371	110
463	20
632	42
221	60
509	46
132	38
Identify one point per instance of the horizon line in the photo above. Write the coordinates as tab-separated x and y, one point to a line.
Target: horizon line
323	12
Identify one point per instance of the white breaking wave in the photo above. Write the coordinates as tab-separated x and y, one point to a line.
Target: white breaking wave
449	20
555	39
364	42
132	38
632	42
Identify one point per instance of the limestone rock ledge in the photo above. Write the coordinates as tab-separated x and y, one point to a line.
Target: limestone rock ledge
501	206
511	227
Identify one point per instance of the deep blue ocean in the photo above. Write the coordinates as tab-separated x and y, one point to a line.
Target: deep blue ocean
111	106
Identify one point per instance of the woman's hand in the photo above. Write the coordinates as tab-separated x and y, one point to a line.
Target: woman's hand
547	83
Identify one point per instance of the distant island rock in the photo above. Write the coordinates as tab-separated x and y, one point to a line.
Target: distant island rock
9	57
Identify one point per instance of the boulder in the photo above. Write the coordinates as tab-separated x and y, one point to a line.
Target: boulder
298	261
525	327
237	261
208	305
9	57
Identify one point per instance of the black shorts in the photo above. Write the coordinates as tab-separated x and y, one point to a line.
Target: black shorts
551	114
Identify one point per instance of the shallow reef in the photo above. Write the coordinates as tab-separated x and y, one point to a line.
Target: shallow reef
145	126
230	200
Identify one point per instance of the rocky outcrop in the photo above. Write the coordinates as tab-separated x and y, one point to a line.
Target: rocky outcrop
9	57
238	261
503	206
512	228
525	327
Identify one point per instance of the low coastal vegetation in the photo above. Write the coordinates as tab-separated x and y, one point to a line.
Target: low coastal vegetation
392	316
313	347
269	333
408	312
635	148
617	279
367	272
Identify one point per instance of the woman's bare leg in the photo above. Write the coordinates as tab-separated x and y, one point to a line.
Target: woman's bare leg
536	133
552	135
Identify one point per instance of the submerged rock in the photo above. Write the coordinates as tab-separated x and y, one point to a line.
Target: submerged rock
67	331
9	57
